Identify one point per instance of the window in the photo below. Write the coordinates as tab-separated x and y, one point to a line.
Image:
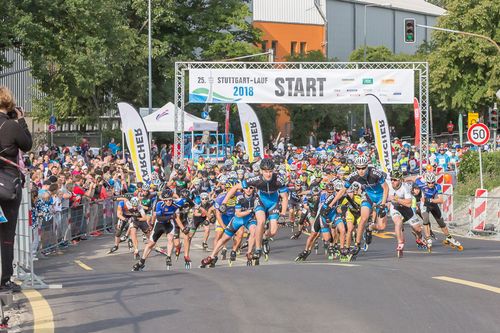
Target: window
274	46
264	45
293	48
303	48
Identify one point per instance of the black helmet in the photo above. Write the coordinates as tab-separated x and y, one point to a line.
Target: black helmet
166	194
267	164
185	193
315	190
396	174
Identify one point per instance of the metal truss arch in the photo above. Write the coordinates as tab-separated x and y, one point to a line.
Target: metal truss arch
421	70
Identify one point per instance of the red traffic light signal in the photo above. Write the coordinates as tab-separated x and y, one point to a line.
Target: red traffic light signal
410	30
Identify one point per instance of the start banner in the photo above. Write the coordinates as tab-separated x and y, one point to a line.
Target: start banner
300	86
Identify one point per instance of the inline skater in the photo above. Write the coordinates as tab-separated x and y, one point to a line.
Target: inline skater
166	214
224	211
130	214
400	210
185	203
430	199
244	217
318	226
372	181
269	188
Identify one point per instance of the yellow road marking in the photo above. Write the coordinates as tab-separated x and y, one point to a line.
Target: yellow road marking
468	283
82	265
384	234
43	318
329	264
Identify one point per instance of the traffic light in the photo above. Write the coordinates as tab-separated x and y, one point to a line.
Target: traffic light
410	30
493	117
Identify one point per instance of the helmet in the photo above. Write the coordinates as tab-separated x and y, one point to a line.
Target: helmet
330	187
231	182
256	167
293	167
267	164
204	196
355	186
245	157
396	174
134	202
338	184
361	161
167	193
315	190
185	193
430	177
222	179
182	169
146	186
197	200
299	182
343	160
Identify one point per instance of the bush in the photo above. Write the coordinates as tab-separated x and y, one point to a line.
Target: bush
468	177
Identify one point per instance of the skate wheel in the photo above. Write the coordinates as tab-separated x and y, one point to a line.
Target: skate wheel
230	263
168	267
460	248
400	254
266	257
365	247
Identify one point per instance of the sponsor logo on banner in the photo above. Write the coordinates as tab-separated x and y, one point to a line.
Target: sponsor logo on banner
137	141
388	81
381	132
299	86
252	133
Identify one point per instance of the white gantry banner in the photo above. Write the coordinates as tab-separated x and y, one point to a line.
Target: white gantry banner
380	132
252	132
137	141
300	86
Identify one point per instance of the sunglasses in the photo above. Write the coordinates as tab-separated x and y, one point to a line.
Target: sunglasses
363	168
394	180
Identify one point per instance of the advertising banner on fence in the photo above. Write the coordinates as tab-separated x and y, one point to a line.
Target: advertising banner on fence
380	132
137	140
252	133
300	86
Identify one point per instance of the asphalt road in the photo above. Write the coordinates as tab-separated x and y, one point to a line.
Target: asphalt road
376	293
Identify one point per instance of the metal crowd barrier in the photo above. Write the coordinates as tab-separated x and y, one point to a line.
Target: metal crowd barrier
90	218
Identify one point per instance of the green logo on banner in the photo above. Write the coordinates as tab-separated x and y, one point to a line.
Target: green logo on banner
368	81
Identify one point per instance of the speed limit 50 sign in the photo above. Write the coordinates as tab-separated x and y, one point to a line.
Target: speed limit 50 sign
478	134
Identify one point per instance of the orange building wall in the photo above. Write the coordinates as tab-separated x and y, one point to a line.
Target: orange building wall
285	33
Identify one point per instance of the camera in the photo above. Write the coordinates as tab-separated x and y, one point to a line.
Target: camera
13	113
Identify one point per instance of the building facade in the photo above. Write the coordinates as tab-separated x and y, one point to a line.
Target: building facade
337	28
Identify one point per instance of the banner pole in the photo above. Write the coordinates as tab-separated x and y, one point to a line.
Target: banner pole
480	168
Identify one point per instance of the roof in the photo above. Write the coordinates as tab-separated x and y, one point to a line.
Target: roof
419	6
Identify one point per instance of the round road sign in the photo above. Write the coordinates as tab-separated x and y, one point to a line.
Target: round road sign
52	128
478	134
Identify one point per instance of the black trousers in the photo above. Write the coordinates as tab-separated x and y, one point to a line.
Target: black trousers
8	234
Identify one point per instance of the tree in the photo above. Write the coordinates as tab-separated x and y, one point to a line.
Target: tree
465	70
90	54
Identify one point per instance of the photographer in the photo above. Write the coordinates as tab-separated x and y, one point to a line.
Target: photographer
15	136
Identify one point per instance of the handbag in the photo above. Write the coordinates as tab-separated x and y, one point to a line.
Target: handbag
9	185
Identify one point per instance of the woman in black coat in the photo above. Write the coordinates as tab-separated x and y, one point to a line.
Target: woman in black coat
14	136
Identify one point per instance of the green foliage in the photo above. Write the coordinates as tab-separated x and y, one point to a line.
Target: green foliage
90	54
465	70
468	177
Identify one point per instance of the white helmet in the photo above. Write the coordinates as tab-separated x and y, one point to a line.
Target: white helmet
430	177
134	201
361	161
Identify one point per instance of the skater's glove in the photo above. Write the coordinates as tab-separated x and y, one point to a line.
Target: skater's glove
185	230
427	201
223	208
